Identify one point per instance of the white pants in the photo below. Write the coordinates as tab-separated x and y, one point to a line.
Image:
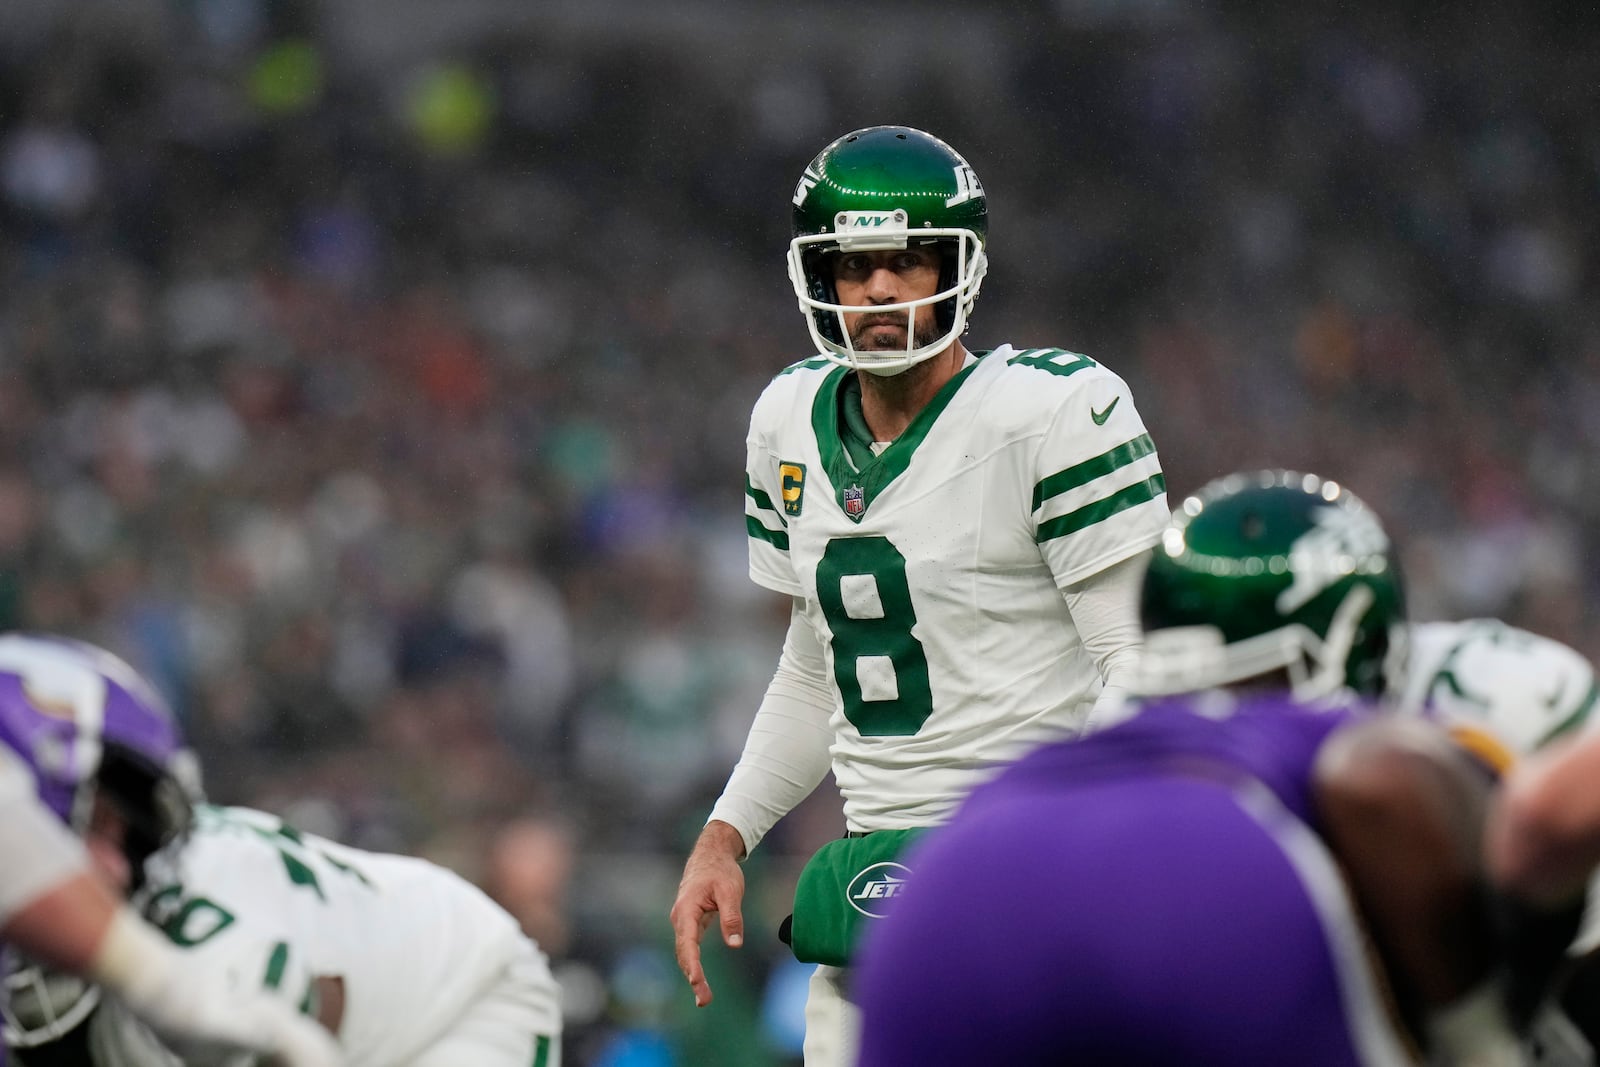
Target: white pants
833	1024
517	1023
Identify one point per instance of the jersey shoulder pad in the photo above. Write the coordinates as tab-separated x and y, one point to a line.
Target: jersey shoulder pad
789	396
1033	388
1048	377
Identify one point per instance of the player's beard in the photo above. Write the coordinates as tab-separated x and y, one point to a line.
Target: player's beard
925	333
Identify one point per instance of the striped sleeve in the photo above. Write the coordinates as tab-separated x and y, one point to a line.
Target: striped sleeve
1099	495
766	527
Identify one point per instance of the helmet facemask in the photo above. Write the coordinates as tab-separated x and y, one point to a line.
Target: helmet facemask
962	266
1183	659
42	1004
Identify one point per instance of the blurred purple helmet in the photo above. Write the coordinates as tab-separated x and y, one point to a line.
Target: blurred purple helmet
84	720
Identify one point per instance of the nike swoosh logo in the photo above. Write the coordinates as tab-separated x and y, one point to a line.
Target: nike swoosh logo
1100	417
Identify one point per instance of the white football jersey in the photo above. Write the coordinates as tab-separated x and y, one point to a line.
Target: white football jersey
933	570
1523	688
262	903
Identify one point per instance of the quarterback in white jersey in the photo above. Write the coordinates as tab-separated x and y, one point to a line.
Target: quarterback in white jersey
408	963
961	535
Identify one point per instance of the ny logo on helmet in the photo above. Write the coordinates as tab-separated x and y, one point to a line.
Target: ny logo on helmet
869	220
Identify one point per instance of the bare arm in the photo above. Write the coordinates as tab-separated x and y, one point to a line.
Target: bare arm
785	758
1543	837
1402	808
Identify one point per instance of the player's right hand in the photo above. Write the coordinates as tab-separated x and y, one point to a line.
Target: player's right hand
713	884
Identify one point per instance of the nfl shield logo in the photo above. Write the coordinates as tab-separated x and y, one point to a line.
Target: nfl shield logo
855	502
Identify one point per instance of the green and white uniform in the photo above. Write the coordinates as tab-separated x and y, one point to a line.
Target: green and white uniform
935	572
1524	689
434	972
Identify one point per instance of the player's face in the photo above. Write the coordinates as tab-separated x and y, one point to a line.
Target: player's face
875	278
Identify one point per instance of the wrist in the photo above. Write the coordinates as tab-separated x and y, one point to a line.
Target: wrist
725	839
136	963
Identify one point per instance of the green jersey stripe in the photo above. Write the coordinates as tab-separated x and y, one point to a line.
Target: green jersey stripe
1578	716
276	964
1083	473
541	1051
879	471
778	539
762	499
1073	521
815	363
1045	359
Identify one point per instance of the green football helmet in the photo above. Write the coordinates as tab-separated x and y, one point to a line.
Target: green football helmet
1273	571
880	189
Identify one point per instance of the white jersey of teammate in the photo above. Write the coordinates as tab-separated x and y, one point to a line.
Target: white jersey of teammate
932	569
1522	688
434	972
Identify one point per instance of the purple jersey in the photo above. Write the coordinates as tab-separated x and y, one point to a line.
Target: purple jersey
1269	739
1152	894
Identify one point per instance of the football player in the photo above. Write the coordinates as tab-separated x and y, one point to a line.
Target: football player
74	720
960	533
403	960
1255	868
1527	692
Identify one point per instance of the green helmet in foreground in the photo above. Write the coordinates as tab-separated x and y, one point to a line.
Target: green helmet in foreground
880	189
1269	572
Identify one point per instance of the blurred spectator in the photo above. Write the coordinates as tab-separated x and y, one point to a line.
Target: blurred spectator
529	870
367	370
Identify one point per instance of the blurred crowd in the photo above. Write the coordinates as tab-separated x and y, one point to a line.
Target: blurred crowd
382	395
